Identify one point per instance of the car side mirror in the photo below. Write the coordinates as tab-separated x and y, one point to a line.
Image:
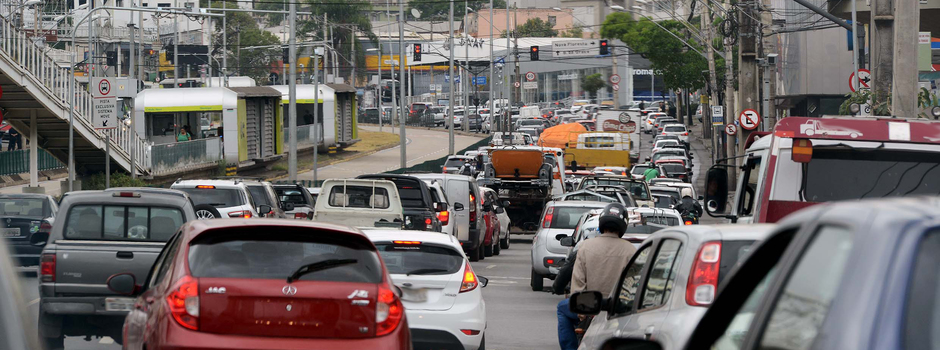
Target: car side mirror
122	283
716	190
505	203
500	210
264	209
488	207
586	303
567	242
458	207
483	281
560	236
701	198
289	206
631	344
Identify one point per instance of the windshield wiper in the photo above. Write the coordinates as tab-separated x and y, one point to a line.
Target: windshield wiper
424	271
319	266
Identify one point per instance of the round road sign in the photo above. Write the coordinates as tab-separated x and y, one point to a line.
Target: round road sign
616	87
731	129
749	119
615	79
516	84
864	79
104	87
530	76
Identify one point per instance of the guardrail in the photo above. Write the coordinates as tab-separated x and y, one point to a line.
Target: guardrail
172	157
17	162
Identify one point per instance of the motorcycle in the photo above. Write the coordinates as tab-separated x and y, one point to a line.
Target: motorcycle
689	218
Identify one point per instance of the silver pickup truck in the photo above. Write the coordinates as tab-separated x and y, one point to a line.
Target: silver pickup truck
99	234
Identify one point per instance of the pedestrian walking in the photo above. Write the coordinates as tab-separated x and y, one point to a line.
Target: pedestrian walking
14	140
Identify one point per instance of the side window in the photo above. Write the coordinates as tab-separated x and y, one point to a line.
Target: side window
804	301
662	275
750	186
113	222
166	259
626	293
922	324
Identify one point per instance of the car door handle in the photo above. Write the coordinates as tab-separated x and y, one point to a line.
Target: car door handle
125	255
649	332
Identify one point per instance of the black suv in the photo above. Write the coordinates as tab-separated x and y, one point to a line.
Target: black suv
419	209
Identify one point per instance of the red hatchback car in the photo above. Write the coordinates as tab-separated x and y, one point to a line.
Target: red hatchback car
265	284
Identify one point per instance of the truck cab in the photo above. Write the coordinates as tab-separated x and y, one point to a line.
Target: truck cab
360	203
806	161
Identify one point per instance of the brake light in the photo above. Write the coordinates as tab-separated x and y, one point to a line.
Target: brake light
547	220
388	312
45	227
685	133
300	215
47	268
210	187
802	151
126	194
688	222
184	302
469	279
428	221
703	282
407	242
444	217
550	261
240	214
470	331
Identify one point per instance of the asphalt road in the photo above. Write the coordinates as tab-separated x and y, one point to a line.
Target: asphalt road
421	145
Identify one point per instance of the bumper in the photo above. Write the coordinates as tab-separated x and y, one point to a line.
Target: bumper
541	266
178	338
26	254
441	329
84	306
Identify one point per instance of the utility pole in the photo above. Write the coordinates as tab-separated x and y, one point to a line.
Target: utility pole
507	79
292	93
401	73
316	116
381	58
712	79
613	54
352	55
730	111
466	80
881	33
224	71
515	53
747	75
131	75
492	81
176	50
769	45
904	89
452	104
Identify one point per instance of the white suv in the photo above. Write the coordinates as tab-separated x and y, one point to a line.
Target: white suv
213	199
677	130
441	293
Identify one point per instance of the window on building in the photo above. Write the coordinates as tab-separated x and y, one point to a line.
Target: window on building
552	20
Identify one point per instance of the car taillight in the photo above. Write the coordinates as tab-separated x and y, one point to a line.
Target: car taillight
428	221
547	220
240	214
703	282
300	215
45	227
444	217
388	312
685	133
469	280
688	222
184	302
47	268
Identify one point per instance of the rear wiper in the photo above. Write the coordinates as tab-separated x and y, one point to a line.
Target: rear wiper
424	271
319	266
215	204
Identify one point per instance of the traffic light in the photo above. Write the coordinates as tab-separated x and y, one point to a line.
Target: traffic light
111	58
605	50
285	55
534	53
417	52
170	53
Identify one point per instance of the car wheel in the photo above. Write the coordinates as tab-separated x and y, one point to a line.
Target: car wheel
482	343
536	281
474	255
496	247
488	250
481	252
205	212
57	343
504	243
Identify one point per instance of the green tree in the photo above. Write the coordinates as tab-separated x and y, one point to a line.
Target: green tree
439	10
536	28
243	33
592	83
349	16
573	32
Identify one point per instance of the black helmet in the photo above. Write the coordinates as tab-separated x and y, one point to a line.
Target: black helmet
613	219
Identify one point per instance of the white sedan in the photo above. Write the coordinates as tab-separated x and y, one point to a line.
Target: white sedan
441	293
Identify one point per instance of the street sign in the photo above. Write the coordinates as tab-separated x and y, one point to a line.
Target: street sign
572	76
104	104
718	115
864	79
615	79
530	76
749	119
616	87
516	84
576	48
529	85
479	81
731	129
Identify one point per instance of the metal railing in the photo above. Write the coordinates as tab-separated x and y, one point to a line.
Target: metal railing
35	64
173	157
17	162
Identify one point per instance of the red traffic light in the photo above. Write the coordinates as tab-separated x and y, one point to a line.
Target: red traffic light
417	47
535	49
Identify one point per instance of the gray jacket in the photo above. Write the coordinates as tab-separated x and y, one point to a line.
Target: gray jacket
599	263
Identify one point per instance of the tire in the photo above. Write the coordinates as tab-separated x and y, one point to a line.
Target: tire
481	252
53	343
504	243
488	250
496	247
204	211
482	343
536	281
474	255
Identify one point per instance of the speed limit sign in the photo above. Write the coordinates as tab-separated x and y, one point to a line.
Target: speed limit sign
530	76
615	79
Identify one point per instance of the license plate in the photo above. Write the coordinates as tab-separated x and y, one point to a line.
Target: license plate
119	304
10	231
414	295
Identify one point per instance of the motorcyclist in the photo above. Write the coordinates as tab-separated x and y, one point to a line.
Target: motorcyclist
688	205
651	173
597	267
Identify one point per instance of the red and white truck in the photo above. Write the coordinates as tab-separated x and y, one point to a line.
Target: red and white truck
806	161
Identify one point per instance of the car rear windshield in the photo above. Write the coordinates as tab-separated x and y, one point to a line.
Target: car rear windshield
637	189
673	168
661	219
567	217
242	253
454	163
36	207
666	193
291	195
216	197
359	197
122	223
675	128
639	169
420	259
732	253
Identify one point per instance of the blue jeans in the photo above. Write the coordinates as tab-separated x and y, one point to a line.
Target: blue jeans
567	322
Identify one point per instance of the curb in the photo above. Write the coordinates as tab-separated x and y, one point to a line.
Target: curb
456	132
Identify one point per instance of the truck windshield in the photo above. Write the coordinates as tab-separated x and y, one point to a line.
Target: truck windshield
841	173
636	188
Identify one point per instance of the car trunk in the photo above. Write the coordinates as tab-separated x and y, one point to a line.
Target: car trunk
18	230
554	245
428	292
263	308
91	263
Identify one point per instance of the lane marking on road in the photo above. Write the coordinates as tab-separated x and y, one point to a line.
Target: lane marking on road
106	340
31	303
491	266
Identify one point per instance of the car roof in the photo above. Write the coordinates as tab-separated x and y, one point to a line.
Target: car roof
195	228
663	188
727	232
406	235
154	190
578	204
25	196
227	183
151	197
